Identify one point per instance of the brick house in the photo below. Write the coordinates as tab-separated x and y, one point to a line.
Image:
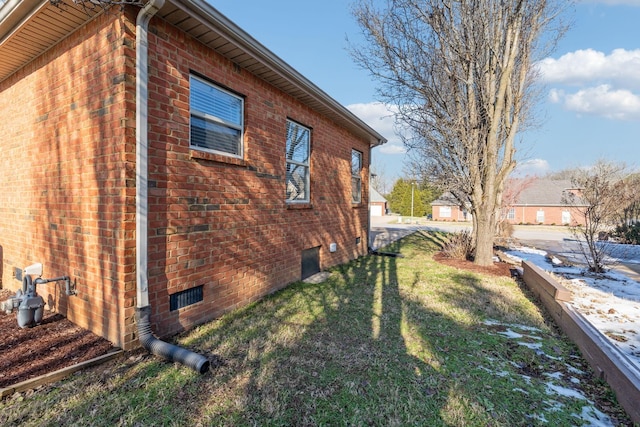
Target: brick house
447	208
377	203
542	201
167	155
536	201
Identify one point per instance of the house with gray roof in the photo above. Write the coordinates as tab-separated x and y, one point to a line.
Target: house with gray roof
543	201
538	201
378	203
448	208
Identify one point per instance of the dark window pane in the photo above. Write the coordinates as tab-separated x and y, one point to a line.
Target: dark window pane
212	136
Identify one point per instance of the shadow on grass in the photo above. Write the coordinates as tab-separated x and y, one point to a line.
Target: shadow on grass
384	341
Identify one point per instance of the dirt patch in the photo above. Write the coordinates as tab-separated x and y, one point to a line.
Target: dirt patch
54	344
497	269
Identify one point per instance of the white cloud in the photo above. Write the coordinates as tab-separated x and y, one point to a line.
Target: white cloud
532	167
607	85
602	101
392	148
380	117
621	67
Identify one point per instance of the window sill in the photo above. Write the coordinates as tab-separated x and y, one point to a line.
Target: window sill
296	206
217	158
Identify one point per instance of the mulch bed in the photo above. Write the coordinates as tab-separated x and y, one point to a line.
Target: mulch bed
54	344
497	269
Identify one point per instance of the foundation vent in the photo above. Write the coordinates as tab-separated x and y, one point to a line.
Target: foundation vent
185	298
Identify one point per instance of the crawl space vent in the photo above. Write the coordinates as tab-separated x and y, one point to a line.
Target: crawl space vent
310	262
185	298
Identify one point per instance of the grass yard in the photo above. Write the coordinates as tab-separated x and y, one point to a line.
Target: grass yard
384	341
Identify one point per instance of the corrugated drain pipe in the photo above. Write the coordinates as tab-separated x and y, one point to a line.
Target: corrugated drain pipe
143	309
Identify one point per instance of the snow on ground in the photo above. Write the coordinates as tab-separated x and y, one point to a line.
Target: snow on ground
557	387
610	301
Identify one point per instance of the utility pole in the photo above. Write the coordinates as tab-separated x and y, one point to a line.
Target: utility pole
412	184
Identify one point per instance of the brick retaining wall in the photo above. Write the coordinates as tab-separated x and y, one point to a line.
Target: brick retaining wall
605	359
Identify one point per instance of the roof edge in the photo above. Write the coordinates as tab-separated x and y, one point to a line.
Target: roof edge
14	13
206	12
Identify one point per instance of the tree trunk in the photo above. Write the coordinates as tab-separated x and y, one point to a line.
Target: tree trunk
485	232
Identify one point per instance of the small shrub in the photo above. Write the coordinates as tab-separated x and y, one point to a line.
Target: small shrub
505	229
459	245
628	234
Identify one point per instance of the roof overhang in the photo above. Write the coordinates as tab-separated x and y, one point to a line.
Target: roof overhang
28	28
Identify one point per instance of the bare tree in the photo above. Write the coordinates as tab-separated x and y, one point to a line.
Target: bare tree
597	200
460	73
510	197
380	179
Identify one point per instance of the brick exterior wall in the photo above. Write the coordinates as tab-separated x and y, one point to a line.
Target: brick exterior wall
522	215
553	215
66	198
456	214
216	222
222	222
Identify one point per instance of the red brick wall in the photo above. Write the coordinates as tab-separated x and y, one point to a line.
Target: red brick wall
224	223
456	214
67	192
552	215
66	198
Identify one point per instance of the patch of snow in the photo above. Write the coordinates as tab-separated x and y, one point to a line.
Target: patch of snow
564	391
554	375
594	418
574	370
609	301
510	334
531	345
590	416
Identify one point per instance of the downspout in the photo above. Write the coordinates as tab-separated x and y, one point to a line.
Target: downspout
369	242
143	309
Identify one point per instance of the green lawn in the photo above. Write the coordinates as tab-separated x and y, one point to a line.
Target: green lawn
384	341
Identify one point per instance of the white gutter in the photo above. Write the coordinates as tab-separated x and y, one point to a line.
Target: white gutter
143	309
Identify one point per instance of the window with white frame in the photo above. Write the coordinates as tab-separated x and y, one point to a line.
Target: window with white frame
298	151
356	179
445	211
216	118
511	214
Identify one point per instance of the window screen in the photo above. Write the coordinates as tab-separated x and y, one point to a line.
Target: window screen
298	151
216	118
356	180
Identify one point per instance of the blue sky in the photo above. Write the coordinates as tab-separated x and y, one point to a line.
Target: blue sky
591	95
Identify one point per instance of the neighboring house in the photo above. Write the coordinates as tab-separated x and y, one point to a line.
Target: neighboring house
447	208
378	203
213	177
542	201
538	201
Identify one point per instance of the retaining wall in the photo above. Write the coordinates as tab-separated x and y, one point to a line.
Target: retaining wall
605	359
